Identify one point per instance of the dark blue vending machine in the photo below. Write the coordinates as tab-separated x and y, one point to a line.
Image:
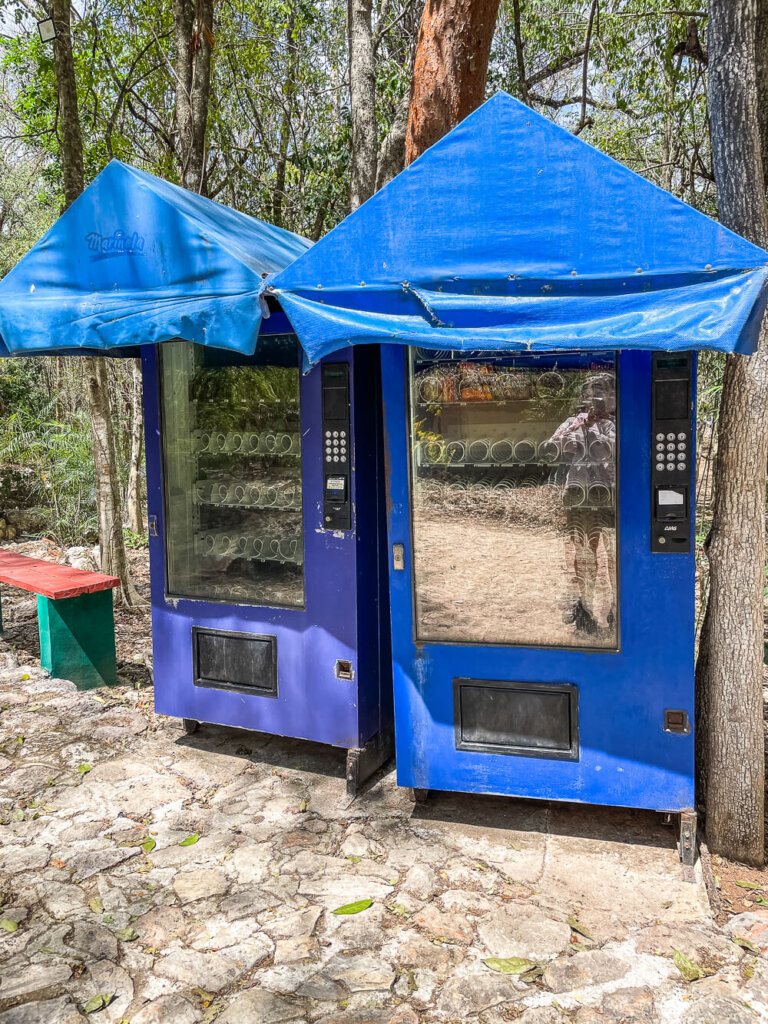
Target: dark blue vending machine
539	308
265	529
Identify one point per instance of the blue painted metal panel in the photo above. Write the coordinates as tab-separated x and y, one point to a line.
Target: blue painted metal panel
626	758
342	614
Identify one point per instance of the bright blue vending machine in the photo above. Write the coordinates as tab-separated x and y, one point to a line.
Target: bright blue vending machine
542	574
539	308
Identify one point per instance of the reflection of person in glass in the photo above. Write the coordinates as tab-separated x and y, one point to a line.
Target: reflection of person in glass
587	442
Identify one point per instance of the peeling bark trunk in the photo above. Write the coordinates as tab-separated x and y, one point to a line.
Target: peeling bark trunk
362	92
450	68
391	159
193	44
730	666
111	541
133	497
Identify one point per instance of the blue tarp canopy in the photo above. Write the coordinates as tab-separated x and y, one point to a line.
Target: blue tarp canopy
136	260
511	233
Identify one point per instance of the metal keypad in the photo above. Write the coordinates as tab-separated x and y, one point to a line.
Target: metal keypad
671	452
335	446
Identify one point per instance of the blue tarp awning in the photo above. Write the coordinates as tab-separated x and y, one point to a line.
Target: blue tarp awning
511	233
136	260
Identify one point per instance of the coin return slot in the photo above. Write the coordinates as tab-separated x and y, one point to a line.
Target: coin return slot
344	670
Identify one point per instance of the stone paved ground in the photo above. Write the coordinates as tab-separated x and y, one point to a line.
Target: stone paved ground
238	926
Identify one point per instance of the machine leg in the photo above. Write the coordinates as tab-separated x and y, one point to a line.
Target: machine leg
687	848
362	762
190	725
77	639
419	796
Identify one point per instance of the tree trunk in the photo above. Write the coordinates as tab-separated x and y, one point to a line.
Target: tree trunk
193	44
730	666
391	157
450	68
70	137
133	498
362	92
112	543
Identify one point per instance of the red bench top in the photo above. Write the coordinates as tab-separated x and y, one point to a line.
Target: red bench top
49	578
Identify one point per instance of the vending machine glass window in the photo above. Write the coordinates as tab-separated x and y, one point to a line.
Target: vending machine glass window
232	474
513	469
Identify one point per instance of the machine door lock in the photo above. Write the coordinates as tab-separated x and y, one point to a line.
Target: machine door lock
152	526
398	557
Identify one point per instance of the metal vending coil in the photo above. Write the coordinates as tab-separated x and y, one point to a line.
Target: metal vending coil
574	448
550	382
600	449
240	547
456	452
599	494
504	485
285	443
432	491
254	494
430	389
574	495
549	451
251	443
234	443
222	544
479	450
201	441
433	451
502	451
525	451
269	443
207	543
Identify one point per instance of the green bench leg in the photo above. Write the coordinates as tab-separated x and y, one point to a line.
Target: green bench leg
77	639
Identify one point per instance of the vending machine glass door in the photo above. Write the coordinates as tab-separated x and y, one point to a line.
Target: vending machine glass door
232	474
513	476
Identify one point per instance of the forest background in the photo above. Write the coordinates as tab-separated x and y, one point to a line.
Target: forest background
627	75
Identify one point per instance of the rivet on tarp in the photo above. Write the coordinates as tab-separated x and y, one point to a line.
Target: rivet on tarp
708	266
639	270
573	273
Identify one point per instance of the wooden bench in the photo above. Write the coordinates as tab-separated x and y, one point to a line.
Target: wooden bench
74	615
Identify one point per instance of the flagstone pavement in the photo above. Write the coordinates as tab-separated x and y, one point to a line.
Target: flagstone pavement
154	877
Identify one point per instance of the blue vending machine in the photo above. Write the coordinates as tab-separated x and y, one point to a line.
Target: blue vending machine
267	540
539	308
265	483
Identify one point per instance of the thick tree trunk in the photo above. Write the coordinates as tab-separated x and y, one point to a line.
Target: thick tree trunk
193	43
112	543
730	667
362	93
450	68
133	497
